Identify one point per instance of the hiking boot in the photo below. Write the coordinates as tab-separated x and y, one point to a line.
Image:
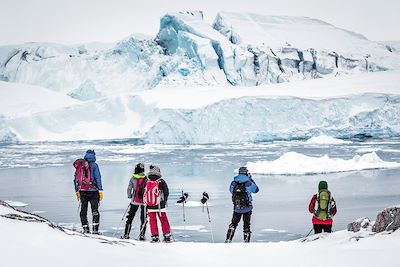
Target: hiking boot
167	238
155	239
86	229
229	235
95	229
247	236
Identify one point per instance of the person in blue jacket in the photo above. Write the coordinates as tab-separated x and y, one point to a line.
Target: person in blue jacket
92	195
241	188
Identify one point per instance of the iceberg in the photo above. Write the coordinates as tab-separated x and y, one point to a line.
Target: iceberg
326	140
293	163
191	52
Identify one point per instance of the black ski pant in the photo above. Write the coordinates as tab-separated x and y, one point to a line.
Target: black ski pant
246	221
319	227
91	197
131	214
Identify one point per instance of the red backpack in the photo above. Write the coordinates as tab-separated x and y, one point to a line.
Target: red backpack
140	190
82	174
152	195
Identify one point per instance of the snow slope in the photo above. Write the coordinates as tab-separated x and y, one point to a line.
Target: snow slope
189	52
44	244
24	99
366	104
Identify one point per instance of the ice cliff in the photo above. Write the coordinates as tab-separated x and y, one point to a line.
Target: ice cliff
238	49
363	105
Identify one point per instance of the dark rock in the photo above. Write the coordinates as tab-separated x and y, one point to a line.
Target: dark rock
358	224
387	220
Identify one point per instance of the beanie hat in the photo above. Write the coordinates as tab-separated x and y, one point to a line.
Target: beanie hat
139	168
243	170
322	185
155	170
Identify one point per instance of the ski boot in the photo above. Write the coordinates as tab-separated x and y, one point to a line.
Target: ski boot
229	235
167	238
125	237
142	238
155	239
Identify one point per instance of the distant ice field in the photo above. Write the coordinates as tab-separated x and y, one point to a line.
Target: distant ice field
40	175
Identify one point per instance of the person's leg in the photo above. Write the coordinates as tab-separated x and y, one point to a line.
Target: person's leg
232	227
153	225
143	222
94	204
328	228
165	225
131	215
317	228
83	212
246	226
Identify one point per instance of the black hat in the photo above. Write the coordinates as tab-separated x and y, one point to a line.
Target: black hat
139	168
243	170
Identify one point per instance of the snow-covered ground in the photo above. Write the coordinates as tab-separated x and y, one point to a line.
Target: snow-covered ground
41	245
364	104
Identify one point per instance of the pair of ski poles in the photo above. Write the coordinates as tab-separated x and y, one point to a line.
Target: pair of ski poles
204	201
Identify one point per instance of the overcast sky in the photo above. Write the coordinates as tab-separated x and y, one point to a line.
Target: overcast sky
77	21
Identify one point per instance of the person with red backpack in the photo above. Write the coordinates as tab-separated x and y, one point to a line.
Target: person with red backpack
241	188
88	189
136	188
156	196
323	208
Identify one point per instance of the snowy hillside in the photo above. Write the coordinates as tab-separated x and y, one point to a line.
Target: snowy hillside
237	49
358	105
45	244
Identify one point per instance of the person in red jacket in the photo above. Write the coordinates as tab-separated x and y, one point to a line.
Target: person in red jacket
323	208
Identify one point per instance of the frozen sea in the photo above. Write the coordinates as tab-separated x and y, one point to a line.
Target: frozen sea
41	174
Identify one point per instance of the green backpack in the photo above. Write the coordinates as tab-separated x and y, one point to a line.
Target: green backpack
323	200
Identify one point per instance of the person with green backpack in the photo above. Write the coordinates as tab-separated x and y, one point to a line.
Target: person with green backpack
323	208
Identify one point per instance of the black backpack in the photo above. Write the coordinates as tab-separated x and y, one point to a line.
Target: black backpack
240	198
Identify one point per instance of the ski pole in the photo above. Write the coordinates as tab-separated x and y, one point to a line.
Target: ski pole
182	200
209	220
204	200
77	215
123	216
309	232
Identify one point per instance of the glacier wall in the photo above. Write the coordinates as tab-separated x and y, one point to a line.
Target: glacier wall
244	119
238	49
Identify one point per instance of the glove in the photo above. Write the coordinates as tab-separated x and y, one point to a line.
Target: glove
100	195
205	198
78	196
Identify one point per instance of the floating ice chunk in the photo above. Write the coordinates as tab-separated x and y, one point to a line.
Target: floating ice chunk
293	163
193	204
17	204
189	227
326	140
